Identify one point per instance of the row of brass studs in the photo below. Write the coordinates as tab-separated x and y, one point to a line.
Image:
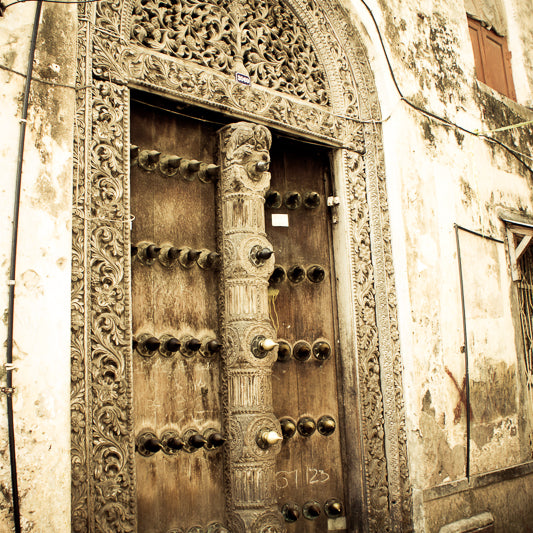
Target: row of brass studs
167	345
170	442
214	527
306	426
311	510
174	165
296	274
292	199
302	350
170	256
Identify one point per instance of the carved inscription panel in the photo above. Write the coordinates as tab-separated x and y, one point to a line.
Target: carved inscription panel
264	40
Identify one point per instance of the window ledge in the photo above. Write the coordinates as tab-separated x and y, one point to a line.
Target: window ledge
515	107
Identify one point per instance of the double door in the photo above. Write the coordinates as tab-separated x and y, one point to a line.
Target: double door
183	419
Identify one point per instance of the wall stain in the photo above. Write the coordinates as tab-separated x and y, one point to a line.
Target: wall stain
442	462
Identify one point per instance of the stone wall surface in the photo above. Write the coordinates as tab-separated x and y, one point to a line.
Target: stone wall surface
440	175
42	294
508	501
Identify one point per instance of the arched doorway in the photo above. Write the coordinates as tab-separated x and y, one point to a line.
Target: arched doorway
296	68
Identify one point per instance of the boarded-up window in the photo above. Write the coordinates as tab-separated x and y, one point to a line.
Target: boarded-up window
492	58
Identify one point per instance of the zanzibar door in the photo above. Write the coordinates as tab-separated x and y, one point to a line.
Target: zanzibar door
235	394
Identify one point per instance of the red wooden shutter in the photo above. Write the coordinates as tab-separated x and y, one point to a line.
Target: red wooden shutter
492	58
475	36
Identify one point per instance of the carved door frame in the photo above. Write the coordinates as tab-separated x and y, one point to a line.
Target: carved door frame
109	64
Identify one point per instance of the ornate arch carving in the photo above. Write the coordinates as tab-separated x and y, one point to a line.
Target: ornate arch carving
339	110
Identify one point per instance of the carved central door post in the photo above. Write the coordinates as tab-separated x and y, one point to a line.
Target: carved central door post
254	432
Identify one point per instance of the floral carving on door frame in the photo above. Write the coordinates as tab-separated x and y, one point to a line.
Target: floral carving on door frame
336	104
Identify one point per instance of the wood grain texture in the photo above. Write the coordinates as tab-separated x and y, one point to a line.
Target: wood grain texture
175	393
308	468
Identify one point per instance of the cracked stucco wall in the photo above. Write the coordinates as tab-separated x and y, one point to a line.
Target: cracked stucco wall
438	176
42	294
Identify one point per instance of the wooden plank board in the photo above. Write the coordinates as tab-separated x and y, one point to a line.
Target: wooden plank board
308	468
175	393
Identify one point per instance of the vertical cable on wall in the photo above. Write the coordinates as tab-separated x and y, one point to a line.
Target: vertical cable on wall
12	274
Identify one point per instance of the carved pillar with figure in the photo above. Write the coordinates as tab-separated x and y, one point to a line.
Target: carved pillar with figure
254	432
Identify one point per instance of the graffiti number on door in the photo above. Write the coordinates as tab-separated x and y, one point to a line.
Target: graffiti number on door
295	478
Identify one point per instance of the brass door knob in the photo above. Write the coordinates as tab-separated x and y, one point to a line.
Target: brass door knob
215	440
290	512
311	510
148	159
152	251
148	444
301	351
259	254
147	344
306	426
172	344
326	425
175	443
311	199
169	165
267	345
193	345
288	427
214	346
261	166
284	351
152	344
197	441
293	200
267	438
208	172
316	273
264	254
333	508
278	275
209	260
296	274
261	346
272	199
321	350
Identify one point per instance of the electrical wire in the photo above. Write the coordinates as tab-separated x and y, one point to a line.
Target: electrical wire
12	274
515	153
430	114
3	6
40	80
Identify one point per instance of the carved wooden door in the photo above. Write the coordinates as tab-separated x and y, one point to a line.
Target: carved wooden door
176	357
309	472
233	433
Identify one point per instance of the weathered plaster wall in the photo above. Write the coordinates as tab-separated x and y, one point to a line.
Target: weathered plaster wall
520	18
439	176
509	502
42	301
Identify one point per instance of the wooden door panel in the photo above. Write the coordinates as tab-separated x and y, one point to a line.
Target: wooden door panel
309	469
175	393
180	392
